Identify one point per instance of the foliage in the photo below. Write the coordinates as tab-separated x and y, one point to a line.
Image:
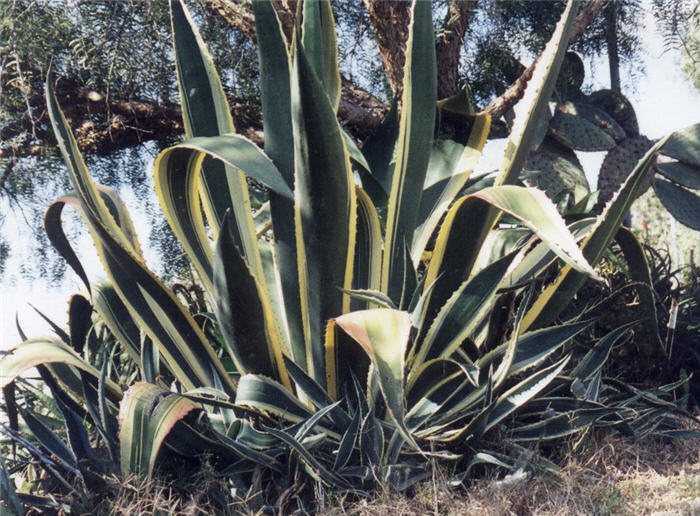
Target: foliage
372	325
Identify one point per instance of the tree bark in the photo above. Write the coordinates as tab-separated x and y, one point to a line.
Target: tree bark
516	91
611	43
389	20
449	44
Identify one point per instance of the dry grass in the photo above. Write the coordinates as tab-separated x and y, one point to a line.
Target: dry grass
611	475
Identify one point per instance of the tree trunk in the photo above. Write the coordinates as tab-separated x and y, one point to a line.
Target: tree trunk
449	44
611	41
390	21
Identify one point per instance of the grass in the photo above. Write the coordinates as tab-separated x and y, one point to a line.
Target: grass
610	475
604	475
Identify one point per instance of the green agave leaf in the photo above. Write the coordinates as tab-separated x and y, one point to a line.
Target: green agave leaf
372	296
638	269
46	350
325	213
560	426
347	443
455	254
534	347
49	440
315	393
320	46
383	334
417	121
683	204
594	360
380	152
558	294
275	96
247	324
8	494
684	145
509	401
79	321
116	316
460	316
368	251
178	172
315	468
206	113
684	175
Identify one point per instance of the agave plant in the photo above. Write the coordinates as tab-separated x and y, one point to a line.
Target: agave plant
356	322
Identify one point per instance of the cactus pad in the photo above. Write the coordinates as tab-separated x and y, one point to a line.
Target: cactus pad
619	163
596	116
555	169
683	204
685	175
570	77
618	107
684	145
575	132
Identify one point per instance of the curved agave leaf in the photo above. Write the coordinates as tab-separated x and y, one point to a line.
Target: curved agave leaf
455	253
46	350
383	334
416	127
178	170
325	213
206	113
558	294
158	312
147	414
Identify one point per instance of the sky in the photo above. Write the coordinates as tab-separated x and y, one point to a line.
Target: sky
664	101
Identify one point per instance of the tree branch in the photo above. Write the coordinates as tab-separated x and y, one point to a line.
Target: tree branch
516	91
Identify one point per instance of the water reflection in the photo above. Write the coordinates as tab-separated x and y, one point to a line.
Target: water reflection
32	271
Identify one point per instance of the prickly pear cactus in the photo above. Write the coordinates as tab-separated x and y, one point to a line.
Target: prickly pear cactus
618	164
618	107
556	170
575	132
683	204
570	78
596	116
